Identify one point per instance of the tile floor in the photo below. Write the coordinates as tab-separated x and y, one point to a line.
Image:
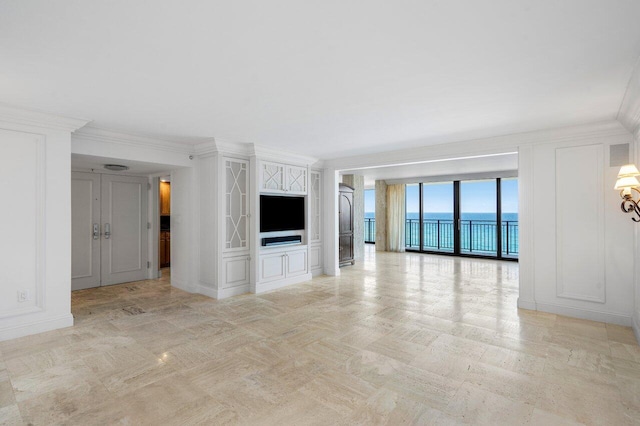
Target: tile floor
397	339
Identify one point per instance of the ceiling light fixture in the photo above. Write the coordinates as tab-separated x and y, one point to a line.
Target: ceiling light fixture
627	181
116	167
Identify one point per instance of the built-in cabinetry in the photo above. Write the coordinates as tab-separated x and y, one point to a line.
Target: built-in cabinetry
282	263
288	264
234	271
345	224
279	178
315	222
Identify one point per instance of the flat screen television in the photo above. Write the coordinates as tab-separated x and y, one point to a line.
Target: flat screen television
278	213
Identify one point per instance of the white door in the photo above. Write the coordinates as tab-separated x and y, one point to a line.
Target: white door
124	229
109	229
85	230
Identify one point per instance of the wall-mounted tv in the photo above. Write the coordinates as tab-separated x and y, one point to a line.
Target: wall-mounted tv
278	213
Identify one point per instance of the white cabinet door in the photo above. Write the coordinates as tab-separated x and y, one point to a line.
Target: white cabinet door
315	257
296	180
272	267
272	177
236	271
236	191
296	263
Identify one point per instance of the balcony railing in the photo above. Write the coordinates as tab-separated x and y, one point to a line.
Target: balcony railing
477	236
369	230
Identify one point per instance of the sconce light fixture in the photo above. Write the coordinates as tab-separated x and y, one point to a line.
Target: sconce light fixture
626	183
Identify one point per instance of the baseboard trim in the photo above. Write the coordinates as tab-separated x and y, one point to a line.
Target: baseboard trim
317	272
184	286
527	304
588	314
35	327
636	327
274	285
207	291
223	293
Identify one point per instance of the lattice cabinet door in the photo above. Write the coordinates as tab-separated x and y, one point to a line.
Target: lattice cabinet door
236	208
296	180
272	177
315	194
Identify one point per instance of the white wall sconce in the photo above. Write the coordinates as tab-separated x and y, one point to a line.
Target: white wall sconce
626	183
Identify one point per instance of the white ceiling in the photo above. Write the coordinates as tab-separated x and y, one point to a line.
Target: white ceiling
460	167
86	163
325	78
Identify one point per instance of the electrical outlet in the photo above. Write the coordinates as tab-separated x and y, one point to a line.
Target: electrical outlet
23	295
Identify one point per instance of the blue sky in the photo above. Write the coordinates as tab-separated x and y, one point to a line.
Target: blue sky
476	197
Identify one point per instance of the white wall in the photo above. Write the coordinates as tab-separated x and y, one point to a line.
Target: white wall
35	223
583	245
184	229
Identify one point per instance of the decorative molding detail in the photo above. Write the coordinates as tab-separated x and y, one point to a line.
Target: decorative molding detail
180	146
280	156
588	314
629	112
48	324
273	285
40	119
526	304
223	293
479	147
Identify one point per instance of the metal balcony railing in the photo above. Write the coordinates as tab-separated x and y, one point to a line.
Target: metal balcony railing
369	230
476	236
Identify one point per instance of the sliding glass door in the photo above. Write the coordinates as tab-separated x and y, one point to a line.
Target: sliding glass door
475	217
478	217
437	217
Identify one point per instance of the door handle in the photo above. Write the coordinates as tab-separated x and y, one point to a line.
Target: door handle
107	230
96	231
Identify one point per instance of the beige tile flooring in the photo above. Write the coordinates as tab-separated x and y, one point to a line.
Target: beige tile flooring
397	339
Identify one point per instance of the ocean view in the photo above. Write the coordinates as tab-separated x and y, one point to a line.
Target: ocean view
477	232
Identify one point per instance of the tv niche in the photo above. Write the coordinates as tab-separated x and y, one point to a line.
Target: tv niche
281	213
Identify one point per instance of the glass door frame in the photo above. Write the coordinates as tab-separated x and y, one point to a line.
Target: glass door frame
457	220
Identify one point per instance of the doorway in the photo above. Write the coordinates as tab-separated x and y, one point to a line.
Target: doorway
109	229
164	242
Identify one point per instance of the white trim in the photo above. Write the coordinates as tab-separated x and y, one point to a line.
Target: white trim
184	286
223	293
96	134
48	324
629	112
588	314
636	328
526	304
31	118
264	287
479	147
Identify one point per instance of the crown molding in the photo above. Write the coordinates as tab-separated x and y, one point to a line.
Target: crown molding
278	155
480	147
629	112
32	118
97	134
217	145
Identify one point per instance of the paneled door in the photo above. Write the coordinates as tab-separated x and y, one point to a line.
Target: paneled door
85	230
124	229
109	229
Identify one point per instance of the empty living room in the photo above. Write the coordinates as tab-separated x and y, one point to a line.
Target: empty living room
319	213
